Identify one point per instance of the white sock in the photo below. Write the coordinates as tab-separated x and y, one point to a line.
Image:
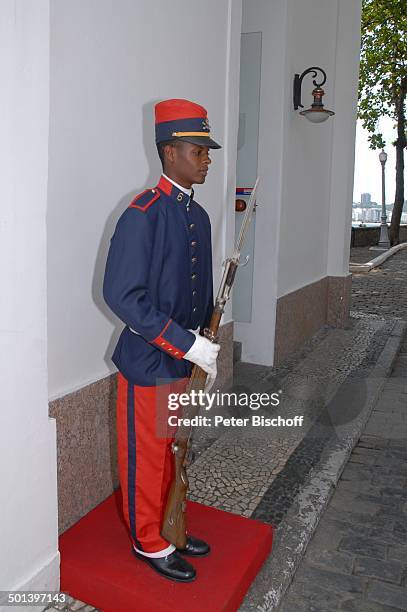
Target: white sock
160	553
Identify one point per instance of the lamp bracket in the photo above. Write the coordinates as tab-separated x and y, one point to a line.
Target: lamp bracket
298	83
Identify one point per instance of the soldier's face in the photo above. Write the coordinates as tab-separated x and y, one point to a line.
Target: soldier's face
190	162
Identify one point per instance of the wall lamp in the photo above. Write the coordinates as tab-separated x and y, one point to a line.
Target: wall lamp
316	113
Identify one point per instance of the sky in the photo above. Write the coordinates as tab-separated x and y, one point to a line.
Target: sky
368	172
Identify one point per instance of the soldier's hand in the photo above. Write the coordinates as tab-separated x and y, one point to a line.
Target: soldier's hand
204	354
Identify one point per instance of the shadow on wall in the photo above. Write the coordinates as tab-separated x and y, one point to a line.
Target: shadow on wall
152	179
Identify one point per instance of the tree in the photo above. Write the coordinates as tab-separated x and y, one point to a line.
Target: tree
383	84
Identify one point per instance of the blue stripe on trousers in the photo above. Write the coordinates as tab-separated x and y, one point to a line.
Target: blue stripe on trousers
131	462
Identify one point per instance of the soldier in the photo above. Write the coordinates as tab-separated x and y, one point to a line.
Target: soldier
158	281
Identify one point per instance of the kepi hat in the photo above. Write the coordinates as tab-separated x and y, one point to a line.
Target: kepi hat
179	119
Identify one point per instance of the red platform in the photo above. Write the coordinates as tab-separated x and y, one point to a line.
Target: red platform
98	567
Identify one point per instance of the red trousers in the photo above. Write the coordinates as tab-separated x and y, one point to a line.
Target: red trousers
145	458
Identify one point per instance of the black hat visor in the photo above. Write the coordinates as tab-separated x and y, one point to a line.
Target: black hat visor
203	141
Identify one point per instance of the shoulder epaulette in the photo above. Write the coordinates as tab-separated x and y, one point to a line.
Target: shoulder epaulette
145	199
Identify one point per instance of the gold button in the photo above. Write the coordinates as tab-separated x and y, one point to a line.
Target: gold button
162	343
193	243
193	259
153	190
193	276
194	309
176	353
194	292
191	226
169	350
179	197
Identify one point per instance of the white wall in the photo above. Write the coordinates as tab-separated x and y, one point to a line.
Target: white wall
318	158
28	528
311	41
344	130
110	62
305	196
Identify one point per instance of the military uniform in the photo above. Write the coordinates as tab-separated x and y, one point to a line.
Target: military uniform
158	281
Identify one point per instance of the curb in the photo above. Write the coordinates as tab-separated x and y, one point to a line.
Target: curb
294	533
377	261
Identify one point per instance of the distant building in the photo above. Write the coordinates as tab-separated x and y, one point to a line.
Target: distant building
366	199
358	214
373	215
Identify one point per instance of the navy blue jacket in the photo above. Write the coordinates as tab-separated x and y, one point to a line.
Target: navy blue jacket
158	281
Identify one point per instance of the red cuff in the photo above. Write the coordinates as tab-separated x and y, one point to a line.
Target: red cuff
167	346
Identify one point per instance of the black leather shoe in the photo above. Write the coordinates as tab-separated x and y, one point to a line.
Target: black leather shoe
195	547
173	566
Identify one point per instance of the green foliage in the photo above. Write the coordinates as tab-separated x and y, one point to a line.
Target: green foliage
383	63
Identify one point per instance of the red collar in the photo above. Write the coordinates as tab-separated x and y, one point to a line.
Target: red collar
173	192
165	185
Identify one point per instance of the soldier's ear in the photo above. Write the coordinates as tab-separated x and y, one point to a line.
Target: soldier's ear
169	152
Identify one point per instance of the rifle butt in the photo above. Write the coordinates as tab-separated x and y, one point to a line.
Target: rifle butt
174	525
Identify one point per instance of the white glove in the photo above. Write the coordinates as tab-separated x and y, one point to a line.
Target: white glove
210	380
204	353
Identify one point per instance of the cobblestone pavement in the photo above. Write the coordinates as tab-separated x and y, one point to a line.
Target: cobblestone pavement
247	471
382	291
72	605
357	559
362	254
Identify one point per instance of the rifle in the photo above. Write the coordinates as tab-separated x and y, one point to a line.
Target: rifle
174	522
